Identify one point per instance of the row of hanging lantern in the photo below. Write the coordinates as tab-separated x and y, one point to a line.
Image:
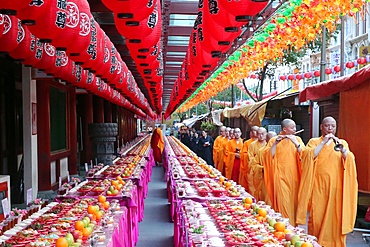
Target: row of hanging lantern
140	22
216	27
36	32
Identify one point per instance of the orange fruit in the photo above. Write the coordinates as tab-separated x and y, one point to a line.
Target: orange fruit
262	212
114	182
102	198
279	226
106	205
247	206
306	244
79	225
259	218
248	200
98	215
61	242
222	179
91	209
86	232
279	235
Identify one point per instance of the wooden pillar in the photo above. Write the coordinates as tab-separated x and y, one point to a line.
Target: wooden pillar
43	135
72	159
98	106
86	111
107	112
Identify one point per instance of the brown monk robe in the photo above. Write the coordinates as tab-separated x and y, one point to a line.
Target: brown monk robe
244	159
282	168
232	166
328	188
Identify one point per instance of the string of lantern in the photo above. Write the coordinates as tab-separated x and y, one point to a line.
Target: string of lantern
294	25
62	39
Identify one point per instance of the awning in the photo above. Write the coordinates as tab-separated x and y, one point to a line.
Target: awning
191	121
331	87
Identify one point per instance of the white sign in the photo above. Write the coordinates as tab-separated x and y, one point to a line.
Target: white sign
29	196
6	209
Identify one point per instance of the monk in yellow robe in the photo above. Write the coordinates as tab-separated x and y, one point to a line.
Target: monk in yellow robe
232	166
218	148
255	172
328	187
244	159
157	144
226	141
282	167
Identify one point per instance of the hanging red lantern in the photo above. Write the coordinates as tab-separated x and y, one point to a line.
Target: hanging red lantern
299	76
46	19
316	73
361	60
92	58
64	69
242	10
48	58
22	51
283	77
291	77
350	64
328	71
336	68
131	9
61	60
307	75
13	33
2	17
139	30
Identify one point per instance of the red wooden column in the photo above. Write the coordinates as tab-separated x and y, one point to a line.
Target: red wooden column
86	111
98	106
107	112
72	159
43	135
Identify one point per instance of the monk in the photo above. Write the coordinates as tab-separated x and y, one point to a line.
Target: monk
258	173
218	148
157	144
328	187
282	165
234	146
224	157
252	153
243	177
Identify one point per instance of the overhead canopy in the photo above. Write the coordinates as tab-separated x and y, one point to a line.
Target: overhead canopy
191	121
331	87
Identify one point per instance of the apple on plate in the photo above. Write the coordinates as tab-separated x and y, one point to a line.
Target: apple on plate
294	239
70	238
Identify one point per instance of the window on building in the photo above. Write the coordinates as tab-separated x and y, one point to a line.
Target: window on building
58	119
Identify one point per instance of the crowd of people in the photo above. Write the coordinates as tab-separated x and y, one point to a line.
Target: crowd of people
318	179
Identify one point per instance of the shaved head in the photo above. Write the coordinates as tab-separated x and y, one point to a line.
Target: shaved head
328	126
286	122
270	134
288	126
328	119
253	132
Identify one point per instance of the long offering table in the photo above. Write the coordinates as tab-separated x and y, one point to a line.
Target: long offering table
209	210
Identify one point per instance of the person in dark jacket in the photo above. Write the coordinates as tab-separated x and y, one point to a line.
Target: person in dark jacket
206	148
194	141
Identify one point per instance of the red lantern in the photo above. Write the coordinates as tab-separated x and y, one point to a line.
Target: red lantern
291	77
328	71
242	9
336	68
361	60
316	73
350	64
65	67
131	9
139	30
13	33
308	75
48	58
298	76
22	51
46	19
283	77
37	50
2	17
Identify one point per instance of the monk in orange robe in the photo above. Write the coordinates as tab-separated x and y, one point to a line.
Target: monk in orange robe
232	166
328	187
218	148
226	141
243	176
260	192
282	167
252	154
157	144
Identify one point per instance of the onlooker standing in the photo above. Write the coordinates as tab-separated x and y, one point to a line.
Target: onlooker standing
328	187
194	140
282	165
206	147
